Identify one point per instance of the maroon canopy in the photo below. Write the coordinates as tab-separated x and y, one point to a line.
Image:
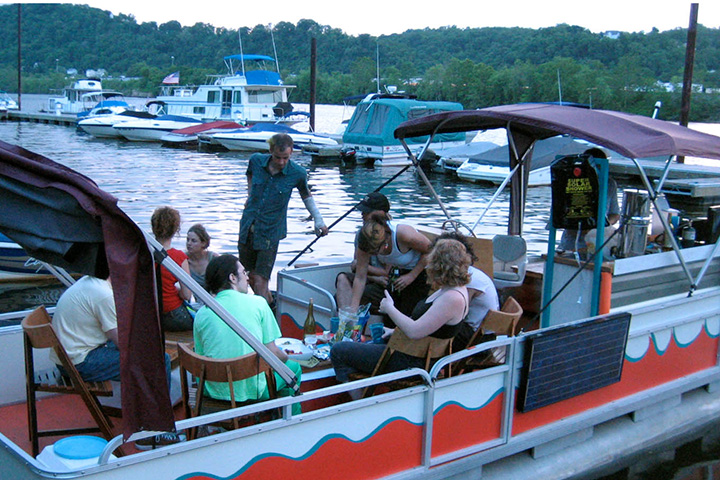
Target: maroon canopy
630	135
63	218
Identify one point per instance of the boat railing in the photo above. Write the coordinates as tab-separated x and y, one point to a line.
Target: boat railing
284	404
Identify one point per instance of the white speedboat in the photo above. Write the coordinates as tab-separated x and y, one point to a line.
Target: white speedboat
189	136
101	126
153	129
7	102
255	138
492	165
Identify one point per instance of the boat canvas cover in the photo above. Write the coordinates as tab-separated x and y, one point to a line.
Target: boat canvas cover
544	153
61	217
633	136
373	122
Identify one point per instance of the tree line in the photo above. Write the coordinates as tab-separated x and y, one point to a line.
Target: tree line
477	67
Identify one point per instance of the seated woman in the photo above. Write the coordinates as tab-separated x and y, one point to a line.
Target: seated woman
227	279
396	245
481	292
440	315
165	222
196	248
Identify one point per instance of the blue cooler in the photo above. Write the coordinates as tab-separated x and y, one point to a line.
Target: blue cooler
73	453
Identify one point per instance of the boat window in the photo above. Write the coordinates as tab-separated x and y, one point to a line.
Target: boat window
213	96
264	96
379	120
359	119
199	110
419	112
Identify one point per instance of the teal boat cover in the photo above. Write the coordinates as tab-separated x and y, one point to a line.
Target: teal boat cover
374	121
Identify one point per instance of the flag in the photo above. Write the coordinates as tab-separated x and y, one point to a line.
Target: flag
173	78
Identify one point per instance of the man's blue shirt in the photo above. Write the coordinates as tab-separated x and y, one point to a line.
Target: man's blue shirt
267	205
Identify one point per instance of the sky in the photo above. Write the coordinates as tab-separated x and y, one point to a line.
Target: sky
385	17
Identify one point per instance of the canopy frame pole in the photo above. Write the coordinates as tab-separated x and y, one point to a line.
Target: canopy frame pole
495	195
676	248
425	180
209	301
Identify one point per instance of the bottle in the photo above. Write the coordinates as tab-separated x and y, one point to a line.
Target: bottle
394	274
309	327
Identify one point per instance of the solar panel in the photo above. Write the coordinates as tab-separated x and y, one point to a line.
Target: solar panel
570	360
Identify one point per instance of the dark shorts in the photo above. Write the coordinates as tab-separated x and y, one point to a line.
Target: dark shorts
259	262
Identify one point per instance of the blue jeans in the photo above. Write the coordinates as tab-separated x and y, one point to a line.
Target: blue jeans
103	363
351	357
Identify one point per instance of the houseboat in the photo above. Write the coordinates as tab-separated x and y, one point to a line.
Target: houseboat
248	93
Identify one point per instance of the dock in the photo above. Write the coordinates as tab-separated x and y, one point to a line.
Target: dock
40	117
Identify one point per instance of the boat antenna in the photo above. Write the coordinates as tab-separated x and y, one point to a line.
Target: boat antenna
658	104
242	57
377	65
559	87
272	37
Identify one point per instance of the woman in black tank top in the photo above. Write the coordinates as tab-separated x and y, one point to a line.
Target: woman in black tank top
440	315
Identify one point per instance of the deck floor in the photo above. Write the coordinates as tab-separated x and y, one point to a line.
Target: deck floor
53	413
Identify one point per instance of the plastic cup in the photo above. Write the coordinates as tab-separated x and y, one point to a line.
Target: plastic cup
334	323
377	330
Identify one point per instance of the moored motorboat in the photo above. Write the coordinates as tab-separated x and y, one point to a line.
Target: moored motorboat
188	136
7	102
248	93
153	129
101	126
256	137
370	130
492	165
81	96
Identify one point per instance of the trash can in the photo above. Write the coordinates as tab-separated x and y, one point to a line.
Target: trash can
634	223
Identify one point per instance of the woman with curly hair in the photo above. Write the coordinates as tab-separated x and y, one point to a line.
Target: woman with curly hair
440	315
165	223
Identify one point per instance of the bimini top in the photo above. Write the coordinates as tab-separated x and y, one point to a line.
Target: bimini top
257	58
630	135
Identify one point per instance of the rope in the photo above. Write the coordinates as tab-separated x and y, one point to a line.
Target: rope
339	219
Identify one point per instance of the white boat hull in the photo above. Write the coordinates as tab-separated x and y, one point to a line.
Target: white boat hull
473	172
149	130
392	155
257	141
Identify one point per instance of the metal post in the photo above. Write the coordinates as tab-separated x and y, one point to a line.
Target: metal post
689	62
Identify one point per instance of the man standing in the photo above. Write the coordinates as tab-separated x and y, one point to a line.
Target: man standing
226	278
271	180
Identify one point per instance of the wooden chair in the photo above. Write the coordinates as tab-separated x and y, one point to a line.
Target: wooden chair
219	370
38	333
500	322
426	348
